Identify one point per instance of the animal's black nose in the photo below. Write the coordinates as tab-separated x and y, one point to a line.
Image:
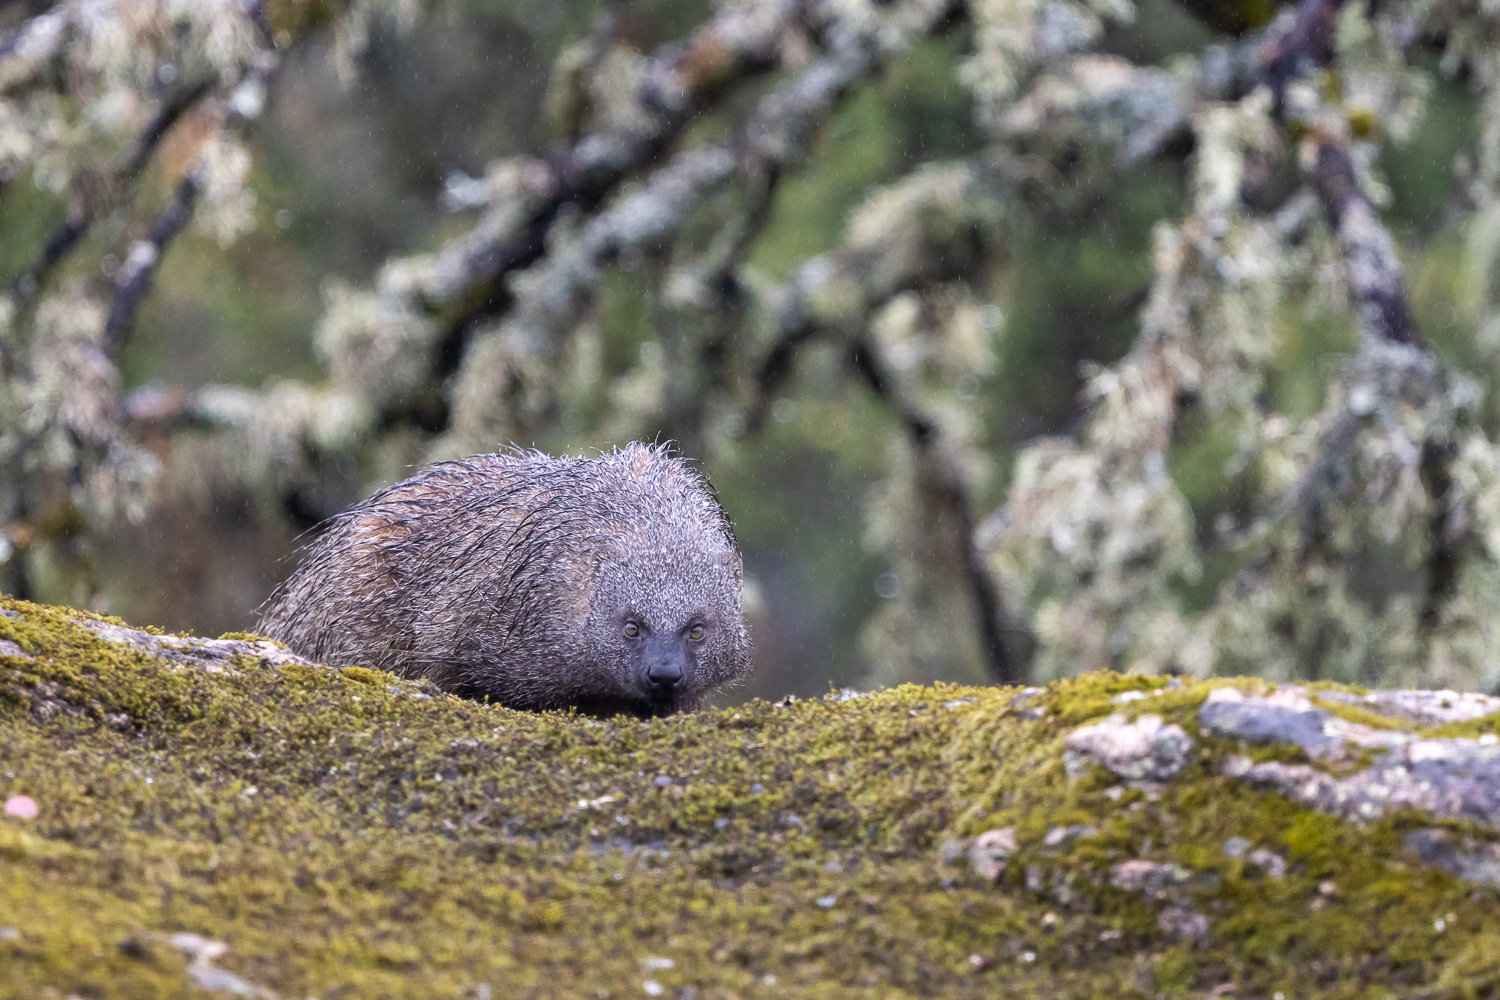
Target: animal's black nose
664	674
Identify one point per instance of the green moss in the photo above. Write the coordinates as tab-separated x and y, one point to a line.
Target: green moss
1092	696
347	833
251	637
77	667
1487	725
1360	716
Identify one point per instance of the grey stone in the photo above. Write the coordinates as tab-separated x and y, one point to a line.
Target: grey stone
201	953
8	648
1287	715
1140	750
211	655
1447	778
1425	708
1153	878
1021	703
1260	721
1181	921
991	850
1268	861
1061	838
1464	857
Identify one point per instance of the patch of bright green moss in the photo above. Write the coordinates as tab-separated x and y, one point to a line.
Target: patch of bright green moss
1487	725
252	637
350	834
1361	716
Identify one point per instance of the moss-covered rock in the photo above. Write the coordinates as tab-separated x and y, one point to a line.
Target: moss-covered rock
221	815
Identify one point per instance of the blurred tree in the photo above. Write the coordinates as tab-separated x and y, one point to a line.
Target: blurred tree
825	244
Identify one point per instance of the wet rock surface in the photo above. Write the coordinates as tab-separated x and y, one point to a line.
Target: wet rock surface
1450	778
1425	708
1139	749
1442	777
201	654
1465	857
1382	764
1354	770
1289	716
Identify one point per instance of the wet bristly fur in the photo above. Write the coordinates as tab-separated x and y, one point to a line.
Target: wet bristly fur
511	575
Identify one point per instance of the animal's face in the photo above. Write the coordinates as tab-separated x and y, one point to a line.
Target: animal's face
668	627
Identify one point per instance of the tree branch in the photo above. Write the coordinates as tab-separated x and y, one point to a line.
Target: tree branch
680	81
1375	277
1374	270
930	229
1377	285
137	274
953	494
85	208
41	23
1304	46
552	296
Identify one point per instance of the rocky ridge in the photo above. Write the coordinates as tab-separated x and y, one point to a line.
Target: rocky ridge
189	817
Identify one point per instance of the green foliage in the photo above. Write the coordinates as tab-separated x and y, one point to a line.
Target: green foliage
1022	338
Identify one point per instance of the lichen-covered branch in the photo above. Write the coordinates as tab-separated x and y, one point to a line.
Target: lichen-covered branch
1374	271
919	230
548	300
1375	280
389	347
95	196
134	279
138	271
949	489
887	291
1305	44
466	280
1402	373
64	456
1097	536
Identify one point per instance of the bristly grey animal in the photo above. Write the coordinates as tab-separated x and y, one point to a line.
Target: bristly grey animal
610	584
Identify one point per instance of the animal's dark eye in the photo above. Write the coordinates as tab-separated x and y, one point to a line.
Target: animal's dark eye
632	630
696	633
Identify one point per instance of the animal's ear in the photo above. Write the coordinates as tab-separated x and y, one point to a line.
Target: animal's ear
735	564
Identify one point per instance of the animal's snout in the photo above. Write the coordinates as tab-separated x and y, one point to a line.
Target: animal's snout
665	666
665	673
